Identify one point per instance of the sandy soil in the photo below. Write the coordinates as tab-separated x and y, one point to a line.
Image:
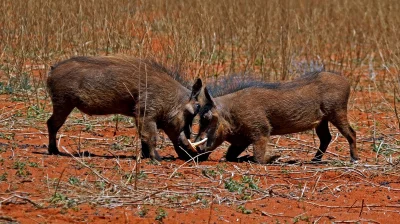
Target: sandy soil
99	185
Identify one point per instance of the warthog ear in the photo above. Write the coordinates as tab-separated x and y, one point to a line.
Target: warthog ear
208	96
196	88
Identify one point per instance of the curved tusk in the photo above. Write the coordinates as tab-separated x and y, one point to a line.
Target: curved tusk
195	144
193	148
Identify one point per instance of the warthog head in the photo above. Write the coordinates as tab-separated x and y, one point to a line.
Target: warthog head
209	126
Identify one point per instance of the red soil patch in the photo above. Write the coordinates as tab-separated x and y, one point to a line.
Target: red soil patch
100	187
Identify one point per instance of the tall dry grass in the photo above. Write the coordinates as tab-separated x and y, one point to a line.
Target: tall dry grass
274	38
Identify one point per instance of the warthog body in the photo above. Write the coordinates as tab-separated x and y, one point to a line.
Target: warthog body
258	110
120	85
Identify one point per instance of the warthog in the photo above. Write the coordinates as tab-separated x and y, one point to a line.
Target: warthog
251	111
137	88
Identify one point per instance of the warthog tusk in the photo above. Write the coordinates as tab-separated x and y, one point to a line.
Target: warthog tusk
195	144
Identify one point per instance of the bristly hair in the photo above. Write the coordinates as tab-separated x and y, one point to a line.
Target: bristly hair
236	82
175	72
233	83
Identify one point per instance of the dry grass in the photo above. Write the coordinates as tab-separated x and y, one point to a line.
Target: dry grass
273	38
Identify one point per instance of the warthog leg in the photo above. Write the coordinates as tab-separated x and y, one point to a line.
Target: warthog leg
325	138
148	134
57	119
263	152
342	124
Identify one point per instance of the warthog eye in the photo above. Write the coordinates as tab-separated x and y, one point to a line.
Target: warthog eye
197	107
207	115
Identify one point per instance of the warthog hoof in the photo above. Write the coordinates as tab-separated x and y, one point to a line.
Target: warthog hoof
267	159
156	156
316	160
245	158
53	151
354	160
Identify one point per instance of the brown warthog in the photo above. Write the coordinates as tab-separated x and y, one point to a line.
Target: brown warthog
138	88
252	111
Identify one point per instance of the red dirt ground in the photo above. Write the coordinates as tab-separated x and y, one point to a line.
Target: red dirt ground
100	186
